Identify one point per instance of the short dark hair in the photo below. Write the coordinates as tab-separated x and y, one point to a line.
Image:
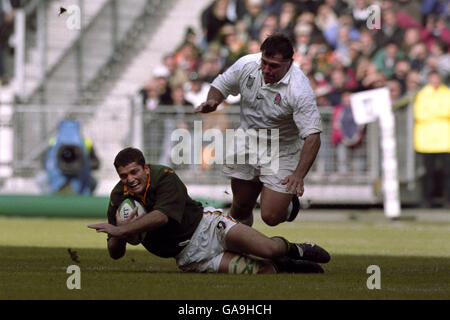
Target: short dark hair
127	156
278	43
433	72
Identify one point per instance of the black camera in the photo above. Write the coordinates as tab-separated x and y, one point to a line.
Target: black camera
70	160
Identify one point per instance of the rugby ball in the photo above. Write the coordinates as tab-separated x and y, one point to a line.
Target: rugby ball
125	209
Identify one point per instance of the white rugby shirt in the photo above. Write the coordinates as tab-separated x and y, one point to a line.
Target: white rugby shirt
288	105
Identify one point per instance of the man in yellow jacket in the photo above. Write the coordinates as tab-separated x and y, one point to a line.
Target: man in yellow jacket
432	135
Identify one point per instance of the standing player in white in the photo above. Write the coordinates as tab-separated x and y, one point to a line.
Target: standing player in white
275	94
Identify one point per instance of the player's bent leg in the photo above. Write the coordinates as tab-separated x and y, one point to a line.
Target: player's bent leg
244	239
242	264
245	194
274	206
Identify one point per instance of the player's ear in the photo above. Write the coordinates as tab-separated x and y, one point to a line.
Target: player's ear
147	168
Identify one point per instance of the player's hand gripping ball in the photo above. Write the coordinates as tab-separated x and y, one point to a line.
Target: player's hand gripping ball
125	210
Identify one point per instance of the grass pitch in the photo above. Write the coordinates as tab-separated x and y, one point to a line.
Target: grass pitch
414	260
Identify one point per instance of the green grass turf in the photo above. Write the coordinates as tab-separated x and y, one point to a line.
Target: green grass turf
414	259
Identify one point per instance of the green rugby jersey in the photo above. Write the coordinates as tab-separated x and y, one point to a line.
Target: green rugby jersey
167	193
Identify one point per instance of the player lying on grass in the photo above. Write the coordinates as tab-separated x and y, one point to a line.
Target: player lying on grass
200	239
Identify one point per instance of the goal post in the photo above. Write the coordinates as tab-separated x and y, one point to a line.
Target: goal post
369	106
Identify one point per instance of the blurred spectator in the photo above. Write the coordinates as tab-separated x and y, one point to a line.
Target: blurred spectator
190	36
175	120
325	19
338	6
346	135
235	10
287	19
264	33
413	82
345	22
340	80
390	30
270	26
271	23
371	78
253	46
417	55
272	7
386	57
161	79
306	64
321	92
196	90
171	73
412	87
321	59
307	17
368	45
440	50
355	53
411	37
307	5
411	7
395	89
254	18
432	136
302	38
407	12
180	103
435	28
6	29
213	18
153	129
151	95
401	70
430	7
210	66
360	13
187	60
233	47
342	48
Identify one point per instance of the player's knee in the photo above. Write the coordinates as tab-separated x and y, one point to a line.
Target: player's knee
271	219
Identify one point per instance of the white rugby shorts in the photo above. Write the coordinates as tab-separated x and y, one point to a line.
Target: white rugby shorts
287	163
205	249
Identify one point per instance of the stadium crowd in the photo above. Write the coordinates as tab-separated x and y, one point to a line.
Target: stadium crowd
343	46
335	46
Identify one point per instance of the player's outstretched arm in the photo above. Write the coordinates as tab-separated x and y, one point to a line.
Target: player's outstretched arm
213	100
118	234
151	221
